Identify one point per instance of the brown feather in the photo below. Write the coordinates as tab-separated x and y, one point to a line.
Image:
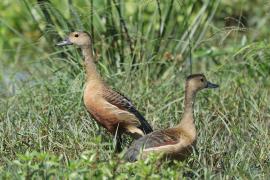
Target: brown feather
174	142
122	102
109	108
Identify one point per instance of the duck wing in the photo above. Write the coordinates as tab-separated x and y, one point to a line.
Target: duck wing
122	102
151	142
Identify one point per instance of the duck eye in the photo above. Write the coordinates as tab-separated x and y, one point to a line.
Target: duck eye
76	35
202	79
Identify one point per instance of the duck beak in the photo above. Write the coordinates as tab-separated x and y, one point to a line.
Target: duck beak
64	43
211	85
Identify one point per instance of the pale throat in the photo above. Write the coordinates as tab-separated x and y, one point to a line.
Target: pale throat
189	102
188	118
90	67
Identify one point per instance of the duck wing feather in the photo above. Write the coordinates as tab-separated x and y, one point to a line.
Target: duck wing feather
122	102
152	141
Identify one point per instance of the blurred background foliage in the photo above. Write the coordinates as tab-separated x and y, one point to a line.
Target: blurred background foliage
172	33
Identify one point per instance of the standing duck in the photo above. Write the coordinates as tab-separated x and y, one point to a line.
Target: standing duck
109	108
176	142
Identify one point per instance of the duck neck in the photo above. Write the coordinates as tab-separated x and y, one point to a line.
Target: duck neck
91	71
188	119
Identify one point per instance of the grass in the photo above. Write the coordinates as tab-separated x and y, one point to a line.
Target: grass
145	50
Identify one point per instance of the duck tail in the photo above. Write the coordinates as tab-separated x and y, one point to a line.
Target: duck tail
145	126
131	155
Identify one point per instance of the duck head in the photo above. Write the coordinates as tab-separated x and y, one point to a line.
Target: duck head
78	38
196	82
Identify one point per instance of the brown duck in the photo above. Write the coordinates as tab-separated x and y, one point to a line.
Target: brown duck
109	108
176	142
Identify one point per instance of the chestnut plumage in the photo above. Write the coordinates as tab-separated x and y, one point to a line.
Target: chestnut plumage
109	108
176	142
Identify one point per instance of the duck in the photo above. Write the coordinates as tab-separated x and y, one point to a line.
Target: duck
109	108
174	143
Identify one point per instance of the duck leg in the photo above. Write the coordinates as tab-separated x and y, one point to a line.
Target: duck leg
119	141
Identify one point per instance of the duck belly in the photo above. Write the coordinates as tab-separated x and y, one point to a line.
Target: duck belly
100	115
